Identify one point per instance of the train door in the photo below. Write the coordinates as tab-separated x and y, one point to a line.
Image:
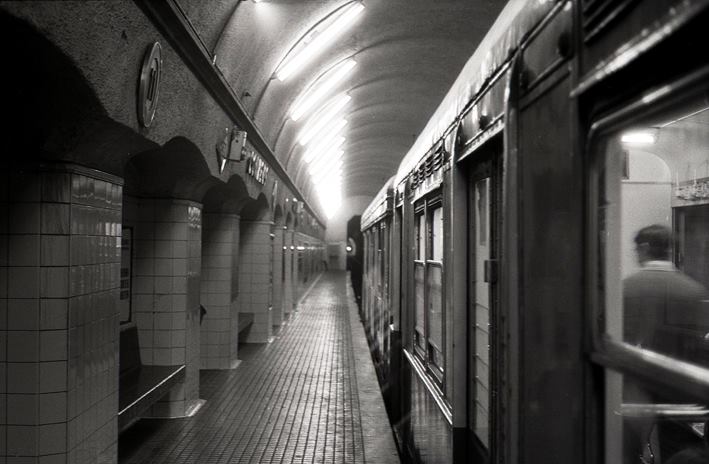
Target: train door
483	200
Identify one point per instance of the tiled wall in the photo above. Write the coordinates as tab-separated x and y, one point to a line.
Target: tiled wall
219	331
60	228
278	313
255	256
288	296
166	291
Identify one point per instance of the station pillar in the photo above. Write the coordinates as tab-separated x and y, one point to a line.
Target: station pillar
288	294
278	265
167	236
255	275
60	228
220	324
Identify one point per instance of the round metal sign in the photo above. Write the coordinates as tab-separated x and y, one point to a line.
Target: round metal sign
148	87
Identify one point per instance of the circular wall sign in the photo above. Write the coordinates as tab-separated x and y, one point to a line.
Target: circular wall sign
148	87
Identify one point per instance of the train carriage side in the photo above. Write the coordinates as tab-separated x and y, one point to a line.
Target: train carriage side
377	314
642	91
460	384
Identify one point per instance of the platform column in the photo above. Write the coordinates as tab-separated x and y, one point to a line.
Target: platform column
60	228
255	274
219	329
288	304
278	257
166	292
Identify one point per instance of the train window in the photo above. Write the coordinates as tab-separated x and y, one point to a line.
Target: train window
419	263
434	290
652	213
429	322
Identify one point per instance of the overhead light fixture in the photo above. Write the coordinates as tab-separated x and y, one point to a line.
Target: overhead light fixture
319	89
327	145
327	163
317	39
322	117
638	138
325	141
329	174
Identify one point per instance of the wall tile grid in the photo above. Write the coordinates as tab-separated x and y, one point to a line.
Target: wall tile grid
219	335
60	230
255	261
277	297
166	291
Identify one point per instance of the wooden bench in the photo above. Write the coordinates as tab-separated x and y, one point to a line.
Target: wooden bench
140	386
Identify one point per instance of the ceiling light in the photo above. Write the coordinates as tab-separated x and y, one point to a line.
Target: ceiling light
315	154
325	141
318	89
317	39
638	138
322	117
326	175
326	163
329	175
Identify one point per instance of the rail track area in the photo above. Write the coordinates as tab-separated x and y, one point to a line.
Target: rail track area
309	396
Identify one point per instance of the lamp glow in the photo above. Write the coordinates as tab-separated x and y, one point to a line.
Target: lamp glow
329	175
326	141
319	89
638	138
322	117
333	161
316	153
319	38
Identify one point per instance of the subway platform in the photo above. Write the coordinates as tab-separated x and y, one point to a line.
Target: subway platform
311	395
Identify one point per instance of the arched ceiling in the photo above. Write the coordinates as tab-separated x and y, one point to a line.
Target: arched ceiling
408	53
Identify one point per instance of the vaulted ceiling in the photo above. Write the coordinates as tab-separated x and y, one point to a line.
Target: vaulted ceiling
408	53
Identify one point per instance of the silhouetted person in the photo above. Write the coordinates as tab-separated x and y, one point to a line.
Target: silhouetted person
659	294
659	302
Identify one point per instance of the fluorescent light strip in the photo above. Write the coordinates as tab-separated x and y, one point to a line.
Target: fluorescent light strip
315	154
323	175
325	141
317	91
329	161
317	40
638	138
322	117
330	175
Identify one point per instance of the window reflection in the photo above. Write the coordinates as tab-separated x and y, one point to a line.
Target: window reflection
654	239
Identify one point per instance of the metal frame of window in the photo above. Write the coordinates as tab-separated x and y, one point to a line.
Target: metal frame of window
423	346
658	372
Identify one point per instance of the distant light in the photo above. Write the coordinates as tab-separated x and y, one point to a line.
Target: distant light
638	138
348	248
324	161
319	38
327	140
336	160
327	114
292	247
319	89
331	143
301	248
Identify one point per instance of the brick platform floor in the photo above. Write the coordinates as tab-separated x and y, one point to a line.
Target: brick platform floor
294	400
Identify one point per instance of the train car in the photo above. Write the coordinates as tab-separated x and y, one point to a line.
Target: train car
548	257
376	309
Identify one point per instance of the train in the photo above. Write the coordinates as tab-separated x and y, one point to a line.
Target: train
535	272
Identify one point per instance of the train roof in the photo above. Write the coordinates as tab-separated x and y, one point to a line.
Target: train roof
514	23
379	206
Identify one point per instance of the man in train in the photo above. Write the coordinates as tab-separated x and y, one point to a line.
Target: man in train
662	304
664	310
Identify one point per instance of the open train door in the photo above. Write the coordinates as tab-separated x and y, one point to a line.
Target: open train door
484	193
